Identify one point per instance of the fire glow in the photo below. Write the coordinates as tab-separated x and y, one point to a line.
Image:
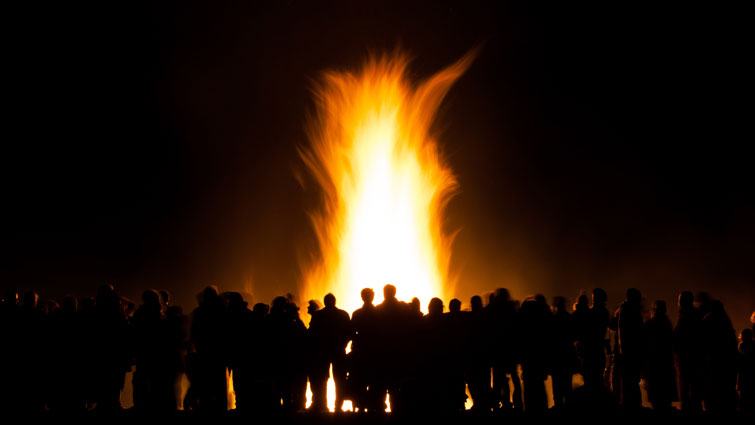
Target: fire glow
383	181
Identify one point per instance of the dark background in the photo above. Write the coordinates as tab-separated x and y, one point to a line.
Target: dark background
601	144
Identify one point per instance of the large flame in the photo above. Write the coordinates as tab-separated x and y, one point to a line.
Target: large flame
384	183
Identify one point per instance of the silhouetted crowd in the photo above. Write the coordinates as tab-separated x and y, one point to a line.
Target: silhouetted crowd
74	357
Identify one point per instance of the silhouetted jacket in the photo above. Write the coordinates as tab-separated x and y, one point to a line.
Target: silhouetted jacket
331	331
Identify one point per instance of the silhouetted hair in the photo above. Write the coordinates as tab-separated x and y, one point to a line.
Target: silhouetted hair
151	299
746	335
330	300
261	308
236	301
279	304
559	303
30	299
415	304
476	302
686	300
454	305
368	295
599	296
209	294
502	295
166	297
435	306
634	296
389	291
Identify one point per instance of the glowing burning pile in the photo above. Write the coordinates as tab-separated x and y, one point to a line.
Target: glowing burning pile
384	183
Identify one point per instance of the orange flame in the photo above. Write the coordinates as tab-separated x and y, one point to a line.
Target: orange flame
384	183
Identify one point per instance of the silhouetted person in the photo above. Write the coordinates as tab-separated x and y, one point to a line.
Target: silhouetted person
153	380
331	331
243	337
89	362
415	308
689	354
457	342
534	322
477	361
299	369
66	337
286	340
720	344
746	382
661	379
563	357
631	334
209	325
110	350
364	346
430	394
257	378
594	340
177	341
500	316
396	319
581	316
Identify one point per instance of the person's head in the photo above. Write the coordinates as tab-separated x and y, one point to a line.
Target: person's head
476	302
368	295
599	297
559	304
659	308
703	300
107	298
502	295
51	307
313	306
70	303
31	299
389	292
454	306
717	307
686	300
634	296
278	305
582	302
261	309
166	297
435	307
236	301
292	309
151	300
210	295
746	335
330	300
414	304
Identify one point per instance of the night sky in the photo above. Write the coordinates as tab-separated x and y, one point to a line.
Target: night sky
155	144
